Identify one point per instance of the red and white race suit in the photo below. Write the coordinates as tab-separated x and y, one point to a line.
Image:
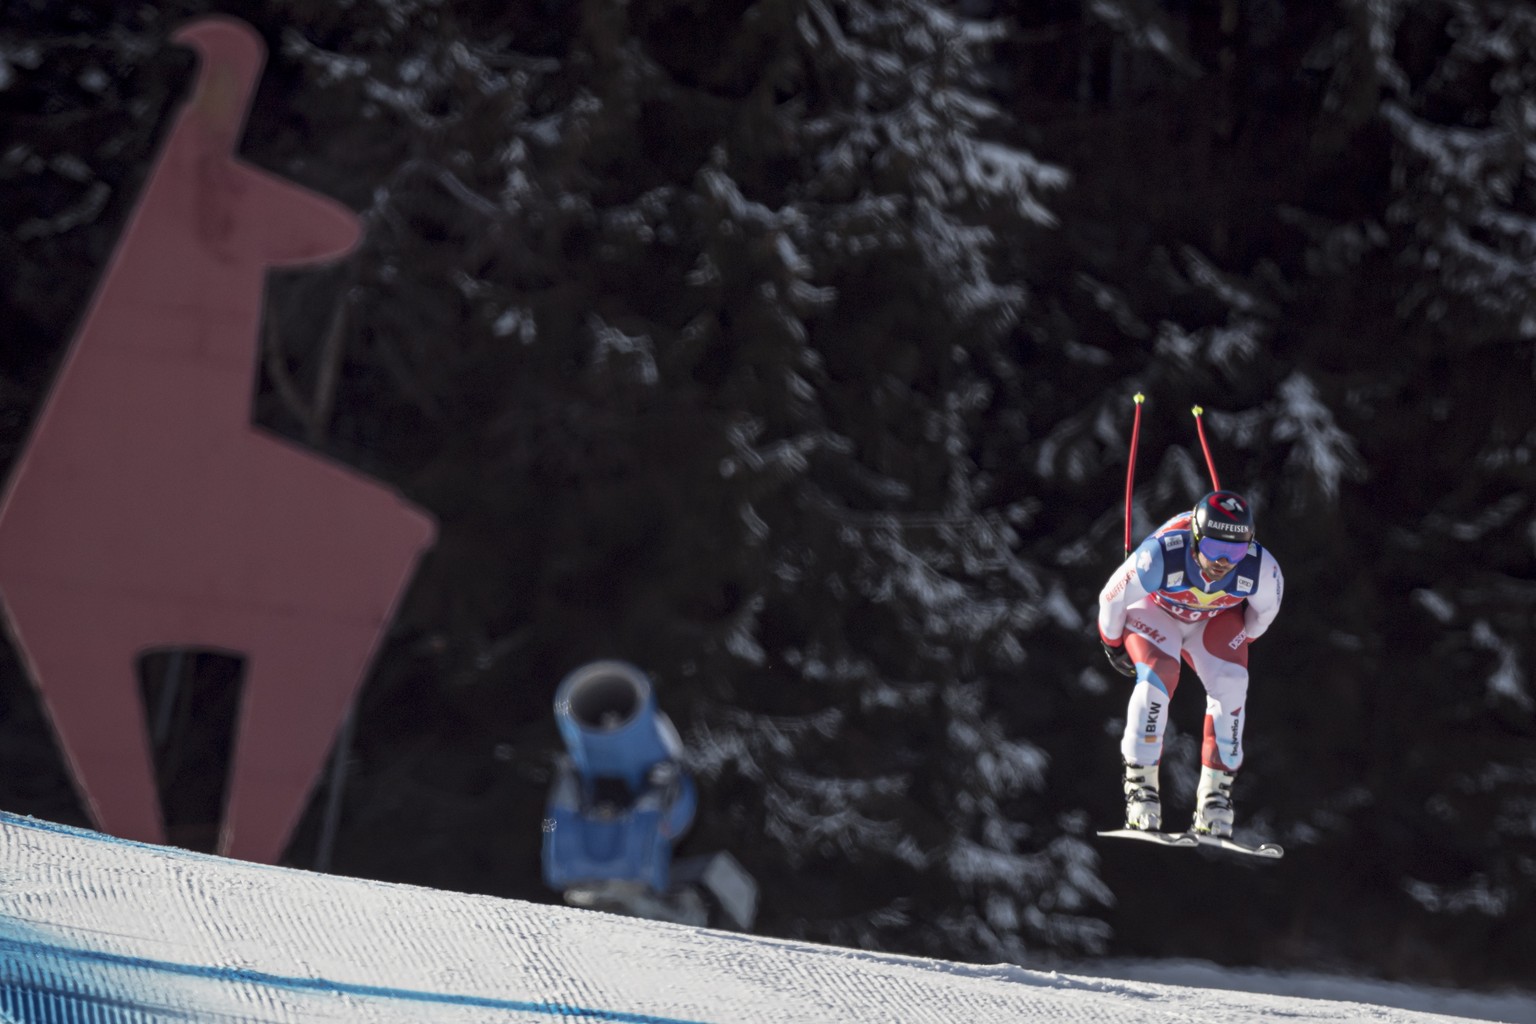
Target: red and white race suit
1162	608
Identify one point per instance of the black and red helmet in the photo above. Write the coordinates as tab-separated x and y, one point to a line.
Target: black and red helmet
1222	515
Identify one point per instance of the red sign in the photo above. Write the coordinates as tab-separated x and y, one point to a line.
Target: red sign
146	511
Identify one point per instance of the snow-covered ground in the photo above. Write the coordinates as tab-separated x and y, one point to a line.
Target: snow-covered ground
96	929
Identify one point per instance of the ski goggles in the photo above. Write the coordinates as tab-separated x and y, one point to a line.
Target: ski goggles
1231	550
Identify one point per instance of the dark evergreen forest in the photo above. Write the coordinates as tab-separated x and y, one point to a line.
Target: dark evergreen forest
787	349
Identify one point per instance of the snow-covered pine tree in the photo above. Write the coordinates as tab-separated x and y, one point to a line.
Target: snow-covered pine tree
862	728
1457	93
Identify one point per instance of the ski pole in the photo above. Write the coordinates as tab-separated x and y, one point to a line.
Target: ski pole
1130	471
1209	462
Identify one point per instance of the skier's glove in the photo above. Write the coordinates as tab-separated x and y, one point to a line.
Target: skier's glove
1119	658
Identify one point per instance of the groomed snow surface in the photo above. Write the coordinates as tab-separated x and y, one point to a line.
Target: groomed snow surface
95	929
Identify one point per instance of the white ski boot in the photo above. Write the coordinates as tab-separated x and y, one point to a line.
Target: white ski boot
1143	807
1213	803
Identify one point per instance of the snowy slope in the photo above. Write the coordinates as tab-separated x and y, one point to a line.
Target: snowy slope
97	929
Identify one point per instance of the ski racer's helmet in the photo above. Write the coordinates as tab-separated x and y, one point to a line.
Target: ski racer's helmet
1222	516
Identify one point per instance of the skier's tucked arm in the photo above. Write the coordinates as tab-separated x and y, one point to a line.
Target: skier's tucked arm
1128	584
1264	602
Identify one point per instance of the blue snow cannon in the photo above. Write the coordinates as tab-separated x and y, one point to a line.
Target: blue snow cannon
620	797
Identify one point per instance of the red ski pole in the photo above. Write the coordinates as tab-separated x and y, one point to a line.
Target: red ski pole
1209	462
1130	471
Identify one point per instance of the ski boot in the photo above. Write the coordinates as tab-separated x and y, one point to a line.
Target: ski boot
1213	803
1143	807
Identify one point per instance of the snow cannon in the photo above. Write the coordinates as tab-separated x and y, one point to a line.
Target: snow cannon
620	797
612	728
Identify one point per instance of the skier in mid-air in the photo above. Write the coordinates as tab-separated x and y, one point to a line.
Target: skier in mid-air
1201	588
